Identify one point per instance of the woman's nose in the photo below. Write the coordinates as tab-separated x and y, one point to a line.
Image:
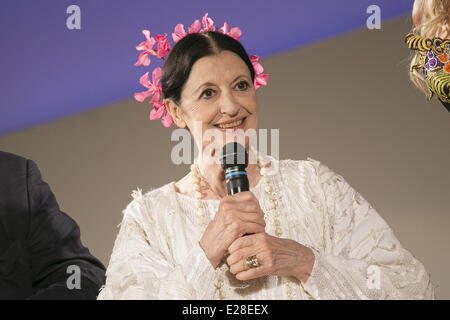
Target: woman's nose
229	105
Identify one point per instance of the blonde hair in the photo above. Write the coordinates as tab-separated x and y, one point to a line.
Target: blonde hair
433	16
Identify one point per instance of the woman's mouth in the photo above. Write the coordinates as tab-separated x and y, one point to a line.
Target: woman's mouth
238	124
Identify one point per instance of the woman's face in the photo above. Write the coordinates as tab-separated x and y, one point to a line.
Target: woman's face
218	95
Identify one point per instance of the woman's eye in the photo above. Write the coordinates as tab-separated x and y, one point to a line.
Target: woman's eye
207	91
243	85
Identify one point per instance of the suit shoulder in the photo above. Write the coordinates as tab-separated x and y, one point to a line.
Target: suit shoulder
14	169
8	159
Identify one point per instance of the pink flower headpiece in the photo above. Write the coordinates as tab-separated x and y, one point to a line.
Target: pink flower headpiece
162	50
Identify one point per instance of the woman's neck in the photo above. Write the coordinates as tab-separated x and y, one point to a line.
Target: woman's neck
215	179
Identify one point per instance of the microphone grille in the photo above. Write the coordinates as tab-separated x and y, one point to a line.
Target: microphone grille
233	154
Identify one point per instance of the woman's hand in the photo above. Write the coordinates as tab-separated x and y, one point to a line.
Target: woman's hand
211	170
276	256
238	214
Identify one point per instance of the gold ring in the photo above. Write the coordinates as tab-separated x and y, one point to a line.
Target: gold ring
252	262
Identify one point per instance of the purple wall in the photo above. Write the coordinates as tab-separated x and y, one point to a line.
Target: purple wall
48	71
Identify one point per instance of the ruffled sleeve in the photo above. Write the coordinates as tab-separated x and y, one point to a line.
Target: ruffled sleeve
141	265
361	258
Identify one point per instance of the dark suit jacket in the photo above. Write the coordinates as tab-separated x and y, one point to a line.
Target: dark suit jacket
37	241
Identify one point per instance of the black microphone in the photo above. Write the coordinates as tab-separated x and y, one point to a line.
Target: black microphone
234	161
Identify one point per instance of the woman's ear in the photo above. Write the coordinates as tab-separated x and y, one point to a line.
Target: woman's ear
175	112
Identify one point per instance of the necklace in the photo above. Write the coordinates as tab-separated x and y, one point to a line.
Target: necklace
199	183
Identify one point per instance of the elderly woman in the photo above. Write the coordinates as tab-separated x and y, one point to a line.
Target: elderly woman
301	232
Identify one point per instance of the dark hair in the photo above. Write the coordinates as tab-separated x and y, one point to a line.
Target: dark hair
187	51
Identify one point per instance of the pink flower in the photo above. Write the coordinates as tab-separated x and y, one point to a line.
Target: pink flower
235	32
153	87
260	79
195	27
160	111
208	24
179	33
167	118
162	45
147	48
157	111
256	65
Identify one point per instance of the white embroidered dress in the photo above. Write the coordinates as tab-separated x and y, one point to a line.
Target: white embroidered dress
156	254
